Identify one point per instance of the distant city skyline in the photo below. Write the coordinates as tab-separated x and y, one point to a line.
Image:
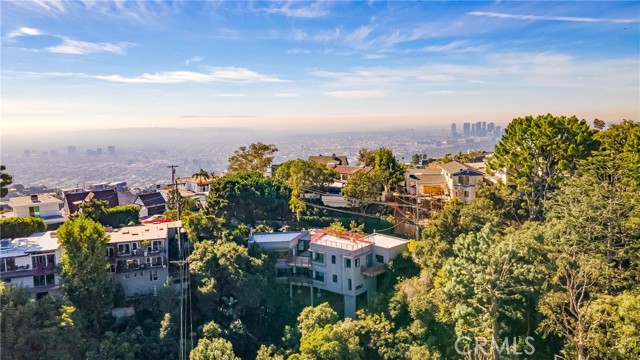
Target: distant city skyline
306	66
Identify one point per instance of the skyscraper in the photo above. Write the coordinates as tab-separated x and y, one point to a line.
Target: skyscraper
473	129
478	131
490	127
466	129
111	150
454	133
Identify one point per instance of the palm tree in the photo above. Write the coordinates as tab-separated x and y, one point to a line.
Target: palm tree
201	176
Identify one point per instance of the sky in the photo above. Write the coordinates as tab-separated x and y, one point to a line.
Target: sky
309	65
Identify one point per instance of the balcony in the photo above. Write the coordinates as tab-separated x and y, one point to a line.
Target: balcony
299	261
120	268
27	270
373	271
138	253
295	280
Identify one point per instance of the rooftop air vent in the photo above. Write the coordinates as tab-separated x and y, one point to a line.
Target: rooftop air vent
34	198
5	244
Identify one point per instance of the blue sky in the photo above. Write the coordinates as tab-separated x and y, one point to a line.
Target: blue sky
352	65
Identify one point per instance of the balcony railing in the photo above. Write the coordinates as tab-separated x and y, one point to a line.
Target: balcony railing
295	280
27	270
373	271
299	261
142	266
138	252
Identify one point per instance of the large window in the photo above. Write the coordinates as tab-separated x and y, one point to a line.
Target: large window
318	276
333	259
357	262
335	278
110	251
38	261
157	245
380	259
347	263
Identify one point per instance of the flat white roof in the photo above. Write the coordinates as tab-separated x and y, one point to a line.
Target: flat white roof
333	241
262	238
139	233
26	200
386	241
38	242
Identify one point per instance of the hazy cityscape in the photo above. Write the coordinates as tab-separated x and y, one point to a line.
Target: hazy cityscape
144	163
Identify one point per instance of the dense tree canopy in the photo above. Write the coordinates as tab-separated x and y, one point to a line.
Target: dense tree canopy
248	196
388	167
538	153
84	266
257	157
14	227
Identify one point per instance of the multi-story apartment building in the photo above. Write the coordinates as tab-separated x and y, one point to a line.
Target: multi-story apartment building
31	262
340	262
138	256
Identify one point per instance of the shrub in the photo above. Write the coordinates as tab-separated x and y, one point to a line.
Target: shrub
120	216
21	227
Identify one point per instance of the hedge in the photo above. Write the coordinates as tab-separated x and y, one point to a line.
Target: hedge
21	227
120	216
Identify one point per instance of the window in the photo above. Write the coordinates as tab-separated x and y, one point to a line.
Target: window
34	211
123	249
349	284
156	245
39	280
347	263
318	276
380	259
335	278
38	261
357	262
153	275
333	259
127	275
466	194
134	246
113	268
317	257
110	251
359	287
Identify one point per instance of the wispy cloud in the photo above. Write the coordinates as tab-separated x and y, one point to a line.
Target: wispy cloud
285	95
51	5
356	94
529	17
76	47
225	74
193	60
299	9
24	31
231	95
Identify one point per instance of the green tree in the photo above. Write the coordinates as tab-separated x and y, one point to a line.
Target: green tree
43	328
312	318
187	205
622	139
84	267
246	197
202	227
367	157
304	176
93	209
488	278
5	180
388	167
21	227
331	342
257	157
541	152
213	349
364	187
